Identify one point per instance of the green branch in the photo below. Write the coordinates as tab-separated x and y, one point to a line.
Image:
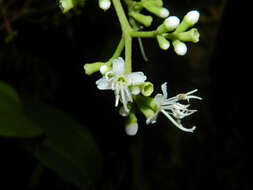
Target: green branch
148	34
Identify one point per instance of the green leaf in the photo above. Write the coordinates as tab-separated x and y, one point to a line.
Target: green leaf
9	91
70	143
13	121
67	5
60	165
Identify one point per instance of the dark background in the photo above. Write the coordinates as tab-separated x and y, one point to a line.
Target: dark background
42	54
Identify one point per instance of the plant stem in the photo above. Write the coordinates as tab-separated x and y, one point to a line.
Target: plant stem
126	30
118	50
125	26
148	34
128	54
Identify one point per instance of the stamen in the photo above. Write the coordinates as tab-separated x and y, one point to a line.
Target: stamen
177	124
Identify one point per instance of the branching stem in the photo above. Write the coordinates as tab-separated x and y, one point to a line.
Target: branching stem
126	30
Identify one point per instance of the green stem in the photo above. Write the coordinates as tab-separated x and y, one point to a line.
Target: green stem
128	54
126	30
148	34
118	50
170	36
121	16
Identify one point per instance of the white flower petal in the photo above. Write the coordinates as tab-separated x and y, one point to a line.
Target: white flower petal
103	84
178	125
136	78
164	89
128	94
118	66
159	99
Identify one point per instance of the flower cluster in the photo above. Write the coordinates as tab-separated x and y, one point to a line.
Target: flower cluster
130	88
173	30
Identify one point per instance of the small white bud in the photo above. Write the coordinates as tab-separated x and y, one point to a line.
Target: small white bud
192	17
103	69
164	13
165	46
131	129
171	23
104	4
180	48
163	42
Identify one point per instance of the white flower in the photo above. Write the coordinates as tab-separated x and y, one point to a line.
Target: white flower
118	81
172	109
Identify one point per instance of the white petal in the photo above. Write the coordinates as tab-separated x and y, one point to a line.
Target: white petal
118	66
117	96
124	99
128	94
136	78
164	89
159	99
103	84
178	125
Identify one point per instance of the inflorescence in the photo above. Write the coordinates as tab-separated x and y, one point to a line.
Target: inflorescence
132	89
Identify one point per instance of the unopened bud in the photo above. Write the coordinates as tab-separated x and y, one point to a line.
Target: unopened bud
66	5
179	47
171	23
163	42
104	4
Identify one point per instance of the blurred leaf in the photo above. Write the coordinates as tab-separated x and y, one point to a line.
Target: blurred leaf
68	142
13	121
60	165
9	91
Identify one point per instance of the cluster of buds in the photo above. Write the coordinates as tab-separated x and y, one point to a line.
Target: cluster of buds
172	29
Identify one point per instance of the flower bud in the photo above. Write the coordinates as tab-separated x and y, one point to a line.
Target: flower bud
190	19
163	42
156	10
131	129
143	19
104	4
171	23
131	125
179	47
104	69
66	5
189	36
91	68
158	3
